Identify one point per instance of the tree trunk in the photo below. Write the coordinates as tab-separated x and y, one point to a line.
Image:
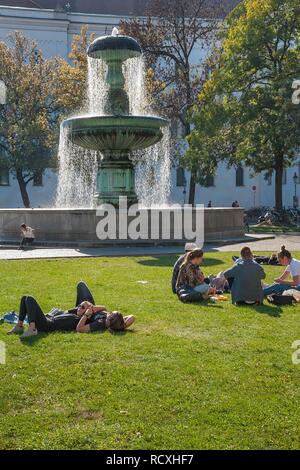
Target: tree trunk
23	188
192	190
278	181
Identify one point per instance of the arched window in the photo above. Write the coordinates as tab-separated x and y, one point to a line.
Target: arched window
239	176
180	177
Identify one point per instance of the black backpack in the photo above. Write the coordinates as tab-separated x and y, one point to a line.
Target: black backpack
277	299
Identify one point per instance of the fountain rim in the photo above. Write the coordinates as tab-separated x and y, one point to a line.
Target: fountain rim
117	121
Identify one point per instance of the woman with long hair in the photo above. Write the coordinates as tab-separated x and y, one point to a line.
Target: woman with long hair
190	275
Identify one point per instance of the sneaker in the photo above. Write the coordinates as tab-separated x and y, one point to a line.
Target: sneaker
16	330
29	333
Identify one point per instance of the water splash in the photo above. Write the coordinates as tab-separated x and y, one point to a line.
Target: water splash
97	87
134	73
153	173
77	174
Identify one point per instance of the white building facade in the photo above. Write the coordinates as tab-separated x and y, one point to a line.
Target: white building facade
53	30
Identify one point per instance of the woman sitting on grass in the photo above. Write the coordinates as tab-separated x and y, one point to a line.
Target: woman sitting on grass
190	276
84	318
292	269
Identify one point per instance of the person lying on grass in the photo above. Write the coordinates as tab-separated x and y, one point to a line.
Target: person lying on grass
245	279
85	317
190	276
281	284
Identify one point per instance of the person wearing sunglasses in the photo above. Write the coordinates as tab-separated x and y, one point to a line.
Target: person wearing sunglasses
85	317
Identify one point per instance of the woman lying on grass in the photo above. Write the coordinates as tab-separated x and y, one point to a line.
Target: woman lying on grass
84	318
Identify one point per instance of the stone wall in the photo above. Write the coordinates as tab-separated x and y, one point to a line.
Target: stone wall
79	225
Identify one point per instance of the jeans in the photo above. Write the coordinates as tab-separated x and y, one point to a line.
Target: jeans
278	288
29	307
26	241
83	294
201	288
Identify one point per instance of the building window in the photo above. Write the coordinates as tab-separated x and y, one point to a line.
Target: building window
239	176
210	182
268	177
4	177
284	176
180	177
38	178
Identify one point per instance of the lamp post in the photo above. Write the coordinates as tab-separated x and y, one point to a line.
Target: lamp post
295	198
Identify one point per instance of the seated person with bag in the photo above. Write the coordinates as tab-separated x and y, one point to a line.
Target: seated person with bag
188	247
292	270
245	279
191	283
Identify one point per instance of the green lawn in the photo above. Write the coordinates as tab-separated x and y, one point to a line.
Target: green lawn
274	228
187	376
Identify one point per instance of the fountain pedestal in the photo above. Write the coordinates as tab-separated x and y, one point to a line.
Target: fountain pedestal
115	178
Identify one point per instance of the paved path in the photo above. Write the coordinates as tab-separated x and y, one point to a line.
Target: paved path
292	242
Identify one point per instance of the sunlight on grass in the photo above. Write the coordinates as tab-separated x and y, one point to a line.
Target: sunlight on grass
186	377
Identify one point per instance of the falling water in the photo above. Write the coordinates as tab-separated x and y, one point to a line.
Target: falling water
77	174
134	73
78	167
153	169
97	87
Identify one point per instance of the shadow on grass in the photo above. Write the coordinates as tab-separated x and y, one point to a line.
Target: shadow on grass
169	261
272	311
34	339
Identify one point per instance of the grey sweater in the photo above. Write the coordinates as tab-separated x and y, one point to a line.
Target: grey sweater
247	276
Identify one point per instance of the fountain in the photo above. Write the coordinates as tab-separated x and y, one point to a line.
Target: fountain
116	133
100	150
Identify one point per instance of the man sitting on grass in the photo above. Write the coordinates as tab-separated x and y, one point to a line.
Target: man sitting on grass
245	279
85	317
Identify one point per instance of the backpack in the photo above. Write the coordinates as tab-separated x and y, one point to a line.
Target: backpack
277	299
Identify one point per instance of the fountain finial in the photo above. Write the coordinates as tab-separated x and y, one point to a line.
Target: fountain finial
115	31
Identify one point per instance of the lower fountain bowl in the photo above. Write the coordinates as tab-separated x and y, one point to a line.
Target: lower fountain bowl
115	133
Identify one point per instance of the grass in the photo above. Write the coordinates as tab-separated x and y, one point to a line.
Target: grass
274	229
187	377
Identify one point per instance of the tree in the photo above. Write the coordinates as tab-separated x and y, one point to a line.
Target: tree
39	94
169	37
245	113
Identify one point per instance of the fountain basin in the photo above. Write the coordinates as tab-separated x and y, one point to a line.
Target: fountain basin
115	133
114	48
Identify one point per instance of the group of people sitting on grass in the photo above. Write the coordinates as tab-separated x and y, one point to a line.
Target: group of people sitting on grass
85	317
243	279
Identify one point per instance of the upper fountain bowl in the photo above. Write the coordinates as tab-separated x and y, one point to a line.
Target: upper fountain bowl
118	46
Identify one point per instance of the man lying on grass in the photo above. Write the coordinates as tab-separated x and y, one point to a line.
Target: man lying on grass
84	318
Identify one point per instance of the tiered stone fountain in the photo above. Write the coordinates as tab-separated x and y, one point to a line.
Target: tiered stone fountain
114	134
117	133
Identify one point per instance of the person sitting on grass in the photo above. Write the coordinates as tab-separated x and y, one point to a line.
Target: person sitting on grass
190	277
245	279
292	269
85	317
188	247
